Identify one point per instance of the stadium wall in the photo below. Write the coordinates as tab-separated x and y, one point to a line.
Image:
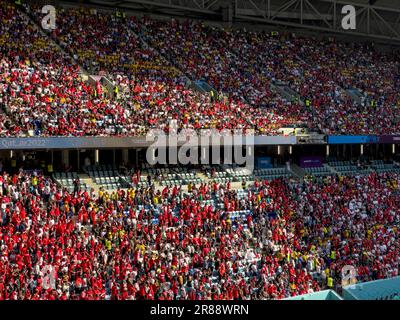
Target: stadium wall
321	295
372	290
98	142
114	142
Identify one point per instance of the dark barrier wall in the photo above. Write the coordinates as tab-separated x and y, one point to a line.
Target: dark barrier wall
388	139
363	139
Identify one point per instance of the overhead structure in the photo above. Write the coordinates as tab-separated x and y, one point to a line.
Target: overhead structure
379	19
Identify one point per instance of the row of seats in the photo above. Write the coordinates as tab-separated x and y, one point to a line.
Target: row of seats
242	194
217	174
194	181
211	202
352	169
224	180
339	163
239	172
274	176
270	171
142	183
244	174
65	175
377	162
106	176
172	182
66	179
318	171
345	167
239	217
387	168
384	166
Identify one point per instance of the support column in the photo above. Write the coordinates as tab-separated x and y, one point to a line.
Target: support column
136	157
50	168
65	157
125	156
96	156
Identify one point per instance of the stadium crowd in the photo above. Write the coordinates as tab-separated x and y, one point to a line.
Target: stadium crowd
271	240
41	89
152	63
243	63
43	94
146	243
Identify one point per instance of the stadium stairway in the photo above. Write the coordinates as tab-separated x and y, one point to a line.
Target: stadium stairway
202	176
196	86
106	84
109	86
205	86
332	169
84	178
146	45
297	171
32	20
286	92
355	95
188	81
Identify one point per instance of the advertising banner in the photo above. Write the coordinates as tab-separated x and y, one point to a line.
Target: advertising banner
310	162
263	162
389	139
352	139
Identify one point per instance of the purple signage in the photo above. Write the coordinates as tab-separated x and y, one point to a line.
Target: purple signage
310	162
389	139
